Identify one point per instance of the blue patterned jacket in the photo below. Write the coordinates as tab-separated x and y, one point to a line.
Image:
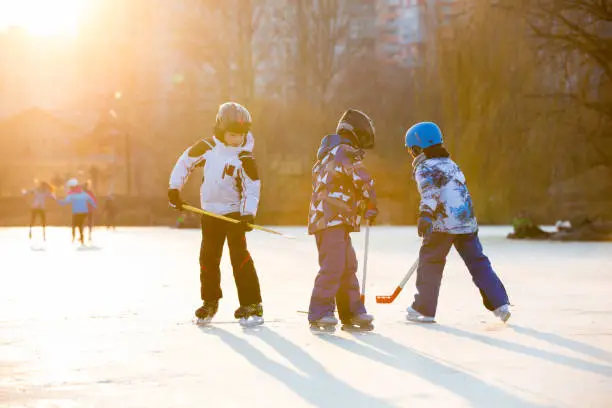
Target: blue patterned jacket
342	189
445	195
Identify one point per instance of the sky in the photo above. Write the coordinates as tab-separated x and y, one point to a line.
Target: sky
42	17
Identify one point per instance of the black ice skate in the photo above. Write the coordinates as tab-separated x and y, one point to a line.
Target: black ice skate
207	311
326	324
359	323
250	315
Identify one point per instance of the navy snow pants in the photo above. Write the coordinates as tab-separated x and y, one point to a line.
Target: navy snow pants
432	258
336	283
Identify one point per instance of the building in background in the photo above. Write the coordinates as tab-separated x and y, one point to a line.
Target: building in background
400	33
38	145
405	26
362	31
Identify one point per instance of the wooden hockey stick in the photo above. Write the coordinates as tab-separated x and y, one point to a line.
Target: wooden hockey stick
233	221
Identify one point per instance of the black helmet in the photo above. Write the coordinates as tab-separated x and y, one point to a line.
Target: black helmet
232	117
360	125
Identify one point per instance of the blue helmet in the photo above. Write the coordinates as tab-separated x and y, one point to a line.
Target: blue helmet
423	135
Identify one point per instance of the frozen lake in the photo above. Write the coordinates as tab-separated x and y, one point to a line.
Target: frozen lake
112	326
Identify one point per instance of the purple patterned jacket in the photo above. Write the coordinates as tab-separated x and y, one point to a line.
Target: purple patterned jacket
342	189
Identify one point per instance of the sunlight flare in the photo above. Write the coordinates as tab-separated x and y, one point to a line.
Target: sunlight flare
42	17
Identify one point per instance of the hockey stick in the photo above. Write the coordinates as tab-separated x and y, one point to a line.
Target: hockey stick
233	221
396	292
365	261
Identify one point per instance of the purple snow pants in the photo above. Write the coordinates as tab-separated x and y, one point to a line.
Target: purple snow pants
336	283
432	259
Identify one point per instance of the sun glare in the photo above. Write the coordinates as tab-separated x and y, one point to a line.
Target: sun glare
42	17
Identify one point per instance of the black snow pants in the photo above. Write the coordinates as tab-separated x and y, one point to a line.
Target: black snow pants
78	221
214	233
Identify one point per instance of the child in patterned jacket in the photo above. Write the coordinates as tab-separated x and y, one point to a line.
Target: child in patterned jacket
446	218
343	193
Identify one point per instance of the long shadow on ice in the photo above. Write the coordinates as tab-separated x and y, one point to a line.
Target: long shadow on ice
561	341
318	387
529	351
473	389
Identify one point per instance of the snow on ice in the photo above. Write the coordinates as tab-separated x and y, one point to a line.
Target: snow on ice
111	326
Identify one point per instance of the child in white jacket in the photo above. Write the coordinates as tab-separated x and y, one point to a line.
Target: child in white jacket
230	187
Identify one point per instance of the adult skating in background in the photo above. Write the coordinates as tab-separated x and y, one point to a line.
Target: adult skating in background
38	206
446	218
230	187
342	191
90	209
80	202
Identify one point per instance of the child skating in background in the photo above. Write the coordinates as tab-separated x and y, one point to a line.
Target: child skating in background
230	187
80	203
446	218
110	212
342	192
38	207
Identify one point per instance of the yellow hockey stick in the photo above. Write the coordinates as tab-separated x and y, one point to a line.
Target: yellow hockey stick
233	221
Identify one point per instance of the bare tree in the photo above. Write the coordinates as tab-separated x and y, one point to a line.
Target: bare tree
576	36
321	46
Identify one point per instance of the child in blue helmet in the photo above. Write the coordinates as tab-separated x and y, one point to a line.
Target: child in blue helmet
446	218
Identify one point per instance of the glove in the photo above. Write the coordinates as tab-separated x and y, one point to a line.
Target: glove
245	220
370	215
425	224
174	199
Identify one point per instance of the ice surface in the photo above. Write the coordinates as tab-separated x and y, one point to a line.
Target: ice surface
111	326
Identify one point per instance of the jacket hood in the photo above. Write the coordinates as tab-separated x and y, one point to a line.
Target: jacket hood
331	141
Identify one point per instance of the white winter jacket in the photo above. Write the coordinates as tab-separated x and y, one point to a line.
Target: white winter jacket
230	183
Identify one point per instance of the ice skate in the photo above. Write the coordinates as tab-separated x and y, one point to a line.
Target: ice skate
207	311
326	324
503	312
359	323
250	315
415	316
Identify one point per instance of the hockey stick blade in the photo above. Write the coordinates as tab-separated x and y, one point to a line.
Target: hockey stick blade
389	299
398	289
